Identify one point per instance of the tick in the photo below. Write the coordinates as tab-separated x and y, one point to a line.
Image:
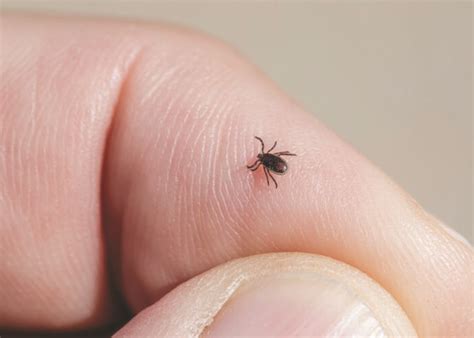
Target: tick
272	162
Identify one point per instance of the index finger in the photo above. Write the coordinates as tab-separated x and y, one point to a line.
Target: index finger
181	200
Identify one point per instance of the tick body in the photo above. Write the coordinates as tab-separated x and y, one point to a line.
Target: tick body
272	162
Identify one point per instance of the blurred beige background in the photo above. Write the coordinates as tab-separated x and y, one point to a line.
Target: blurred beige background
392	78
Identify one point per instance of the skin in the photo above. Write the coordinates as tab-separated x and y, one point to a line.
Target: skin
123	153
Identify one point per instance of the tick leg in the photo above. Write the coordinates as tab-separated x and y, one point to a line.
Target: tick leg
274	181
261	141
250	166
284	153
266	175
273	146
256	167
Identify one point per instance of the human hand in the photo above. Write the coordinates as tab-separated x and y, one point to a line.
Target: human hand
122	174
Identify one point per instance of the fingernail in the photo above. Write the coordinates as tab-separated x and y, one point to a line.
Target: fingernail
290	305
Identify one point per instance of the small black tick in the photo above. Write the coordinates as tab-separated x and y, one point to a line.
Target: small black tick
272	162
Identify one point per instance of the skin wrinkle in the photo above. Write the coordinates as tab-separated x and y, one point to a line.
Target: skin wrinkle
196	194
169	109
159	79
200	211
174	101
237	204
34	109
174	72
215	147
210	117
234	218
17	163
218	193
34	176
25	143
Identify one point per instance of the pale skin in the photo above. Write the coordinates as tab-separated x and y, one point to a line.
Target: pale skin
123	153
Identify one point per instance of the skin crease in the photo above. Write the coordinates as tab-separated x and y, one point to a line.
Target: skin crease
161	121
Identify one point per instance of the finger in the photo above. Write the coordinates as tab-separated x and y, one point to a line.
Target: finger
275	295
180	199
21	290
59	83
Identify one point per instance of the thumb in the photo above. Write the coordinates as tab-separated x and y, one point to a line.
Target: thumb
286	294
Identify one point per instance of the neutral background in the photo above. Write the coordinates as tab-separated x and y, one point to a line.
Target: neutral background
392	78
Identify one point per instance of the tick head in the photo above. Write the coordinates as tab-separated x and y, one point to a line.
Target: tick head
260	156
